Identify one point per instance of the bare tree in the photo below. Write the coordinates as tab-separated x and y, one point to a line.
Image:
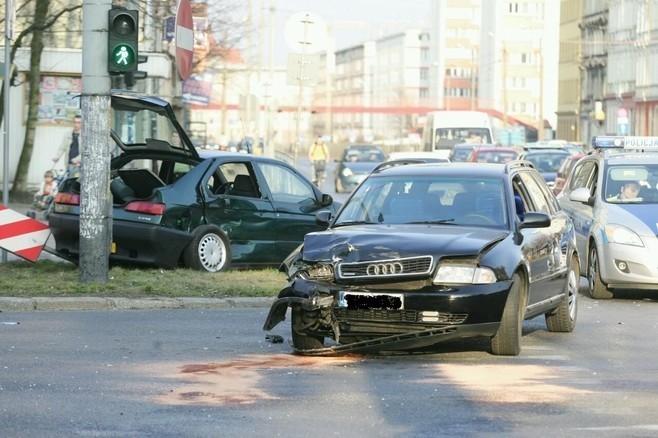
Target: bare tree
44	14
43	20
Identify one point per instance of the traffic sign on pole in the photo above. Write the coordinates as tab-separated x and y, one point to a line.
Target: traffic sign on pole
184	39
22	235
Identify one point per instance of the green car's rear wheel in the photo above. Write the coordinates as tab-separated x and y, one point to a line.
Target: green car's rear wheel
209	250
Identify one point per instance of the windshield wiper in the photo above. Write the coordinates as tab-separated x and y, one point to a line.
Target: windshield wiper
438	221
354	222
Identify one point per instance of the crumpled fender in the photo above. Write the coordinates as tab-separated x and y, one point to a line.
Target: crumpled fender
298	291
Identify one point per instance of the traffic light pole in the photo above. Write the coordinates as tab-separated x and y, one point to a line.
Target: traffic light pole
95	204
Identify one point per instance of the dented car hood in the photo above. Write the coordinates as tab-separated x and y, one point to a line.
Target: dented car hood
381	242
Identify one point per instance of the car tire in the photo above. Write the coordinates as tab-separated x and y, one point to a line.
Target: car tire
302	341
507	340
209	250
563	318
597	289
337	186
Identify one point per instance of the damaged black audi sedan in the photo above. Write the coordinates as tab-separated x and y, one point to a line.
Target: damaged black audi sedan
424	253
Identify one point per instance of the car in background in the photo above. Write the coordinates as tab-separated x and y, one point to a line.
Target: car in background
547	162
354	165
563	145
426	157
492	154
171	207
564	171
617	236
425	253
461	152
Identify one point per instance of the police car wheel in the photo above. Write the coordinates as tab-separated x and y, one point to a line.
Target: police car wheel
597	289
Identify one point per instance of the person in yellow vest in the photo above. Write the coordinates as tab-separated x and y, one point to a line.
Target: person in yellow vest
318	155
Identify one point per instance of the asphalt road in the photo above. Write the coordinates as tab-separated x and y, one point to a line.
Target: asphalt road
201	372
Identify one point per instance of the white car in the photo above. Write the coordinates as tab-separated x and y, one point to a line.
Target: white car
435	157
616	225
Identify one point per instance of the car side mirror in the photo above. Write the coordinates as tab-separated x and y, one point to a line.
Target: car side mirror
323	217
582	195
326	200
535	220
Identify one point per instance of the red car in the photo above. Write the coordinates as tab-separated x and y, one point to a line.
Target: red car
493	155
564	171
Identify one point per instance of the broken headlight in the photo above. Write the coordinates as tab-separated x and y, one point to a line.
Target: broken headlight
319	271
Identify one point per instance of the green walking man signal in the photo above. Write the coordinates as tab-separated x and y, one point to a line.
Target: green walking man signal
123	33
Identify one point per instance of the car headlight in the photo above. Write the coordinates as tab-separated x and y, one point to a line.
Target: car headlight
347	171
319	271
620	234
464	274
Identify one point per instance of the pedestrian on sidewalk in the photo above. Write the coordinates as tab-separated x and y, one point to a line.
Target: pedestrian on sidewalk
70	148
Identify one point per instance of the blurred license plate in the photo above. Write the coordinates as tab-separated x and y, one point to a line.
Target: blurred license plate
368	300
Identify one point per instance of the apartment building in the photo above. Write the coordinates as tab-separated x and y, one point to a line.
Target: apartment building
380	89
594	59
518	61
454	35
568	122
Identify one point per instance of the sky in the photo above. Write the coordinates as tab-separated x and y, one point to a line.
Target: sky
349	22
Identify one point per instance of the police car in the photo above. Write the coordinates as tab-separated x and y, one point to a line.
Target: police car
612	197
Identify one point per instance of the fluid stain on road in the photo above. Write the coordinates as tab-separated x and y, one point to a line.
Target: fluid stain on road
236	382
502	383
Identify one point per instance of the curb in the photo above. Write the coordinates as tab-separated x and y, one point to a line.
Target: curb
10	304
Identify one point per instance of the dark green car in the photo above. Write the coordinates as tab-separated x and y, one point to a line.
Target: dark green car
173	207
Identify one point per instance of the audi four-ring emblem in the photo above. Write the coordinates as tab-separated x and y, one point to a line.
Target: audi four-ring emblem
385	268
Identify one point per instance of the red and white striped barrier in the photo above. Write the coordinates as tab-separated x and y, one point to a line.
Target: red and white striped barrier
22	235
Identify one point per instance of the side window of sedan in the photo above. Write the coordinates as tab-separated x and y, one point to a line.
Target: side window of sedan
536	194
582	175
285	185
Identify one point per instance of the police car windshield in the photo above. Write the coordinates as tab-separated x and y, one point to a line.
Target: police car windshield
637	184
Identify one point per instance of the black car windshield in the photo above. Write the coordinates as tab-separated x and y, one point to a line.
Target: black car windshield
636	184
449	200
363	155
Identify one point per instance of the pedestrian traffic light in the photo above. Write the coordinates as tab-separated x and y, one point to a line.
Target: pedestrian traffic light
123	32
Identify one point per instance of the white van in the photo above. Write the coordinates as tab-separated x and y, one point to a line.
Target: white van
444	129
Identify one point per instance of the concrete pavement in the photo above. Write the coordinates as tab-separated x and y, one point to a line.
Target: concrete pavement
15	304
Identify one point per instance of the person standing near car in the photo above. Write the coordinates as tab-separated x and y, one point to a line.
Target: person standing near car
70	147
318	154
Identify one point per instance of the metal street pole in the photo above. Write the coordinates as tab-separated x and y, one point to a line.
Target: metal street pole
95	205
269	88
9	15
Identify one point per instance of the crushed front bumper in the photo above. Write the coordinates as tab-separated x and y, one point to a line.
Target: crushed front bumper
430	315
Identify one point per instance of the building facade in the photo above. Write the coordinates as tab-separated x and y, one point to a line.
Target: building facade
568	127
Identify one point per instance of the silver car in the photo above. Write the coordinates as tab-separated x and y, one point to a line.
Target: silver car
612	197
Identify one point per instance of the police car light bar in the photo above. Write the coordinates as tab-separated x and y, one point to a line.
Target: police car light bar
625	142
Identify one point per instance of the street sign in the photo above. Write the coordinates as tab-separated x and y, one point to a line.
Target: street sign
622	121
197	91
303	69
22	235
184	39
306	32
